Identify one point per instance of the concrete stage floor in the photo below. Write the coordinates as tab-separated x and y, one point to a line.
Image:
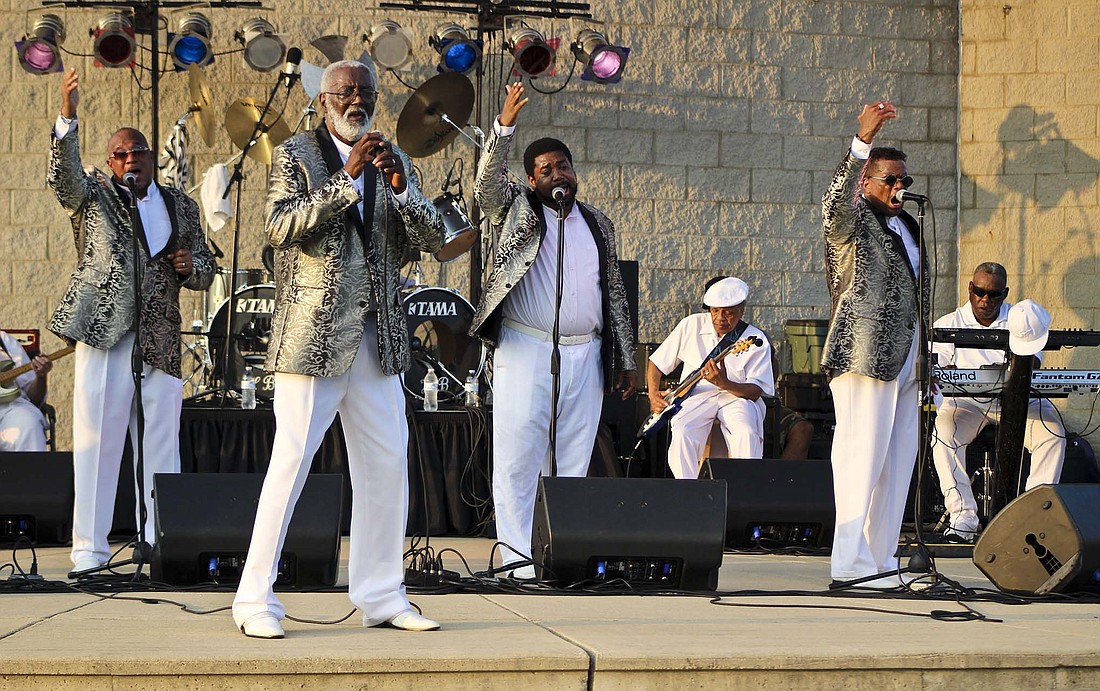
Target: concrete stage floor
766	639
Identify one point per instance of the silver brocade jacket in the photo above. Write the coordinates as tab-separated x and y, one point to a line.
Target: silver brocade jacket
514	210
324	286
874	297
97	307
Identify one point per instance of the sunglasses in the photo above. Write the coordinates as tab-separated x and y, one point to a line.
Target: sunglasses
347	94
892	180
991	294
123	154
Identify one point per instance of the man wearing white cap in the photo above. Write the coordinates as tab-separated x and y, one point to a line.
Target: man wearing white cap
959	419
730	390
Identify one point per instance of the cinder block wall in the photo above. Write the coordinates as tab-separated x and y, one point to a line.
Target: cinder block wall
711	155
1029	156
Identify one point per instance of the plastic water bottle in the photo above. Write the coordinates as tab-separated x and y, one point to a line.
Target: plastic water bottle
471	390
248	389
431	391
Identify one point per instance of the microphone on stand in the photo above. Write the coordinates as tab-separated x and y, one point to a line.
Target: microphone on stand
292	70
906	196
129	179
559	193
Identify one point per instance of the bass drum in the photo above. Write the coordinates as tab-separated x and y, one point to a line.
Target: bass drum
250	330
439	321
219	287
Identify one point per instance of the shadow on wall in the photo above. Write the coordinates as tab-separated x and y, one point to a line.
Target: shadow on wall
1040	171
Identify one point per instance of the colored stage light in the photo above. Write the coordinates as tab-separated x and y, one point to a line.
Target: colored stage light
533	55
39	51
264	50
603	62
191	46
390	45
457	51
114	41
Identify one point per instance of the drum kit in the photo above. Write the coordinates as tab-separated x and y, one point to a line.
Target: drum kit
438	318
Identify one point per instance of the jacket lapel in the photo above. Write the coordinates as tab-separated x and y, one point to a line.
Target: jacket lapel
334	164
173	243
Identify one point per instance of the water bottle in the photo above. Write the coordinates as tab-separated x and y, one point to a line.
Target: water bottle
471	390
248	389
431	391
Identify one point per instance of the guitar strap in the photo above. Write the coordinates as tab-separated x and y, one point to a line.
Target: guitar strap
729	338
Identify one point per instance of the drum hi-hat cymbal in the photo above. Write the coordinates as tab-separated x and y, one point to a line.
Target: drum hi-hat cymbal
240	122
200	103
421	129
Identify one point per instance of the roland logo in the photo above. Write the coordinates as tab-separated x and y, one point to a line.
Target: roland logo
433	309
956	375
255	305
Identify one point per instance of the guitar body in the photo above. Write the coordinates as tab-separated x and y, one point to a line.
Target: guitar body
9	390
656	421
7	393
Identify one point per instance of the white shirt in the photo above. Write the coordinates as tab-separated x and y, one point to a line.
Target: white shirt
531	301
693	339
18	356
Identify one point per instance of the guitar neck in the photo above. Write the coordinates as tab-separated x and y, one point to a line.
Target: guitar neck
9	376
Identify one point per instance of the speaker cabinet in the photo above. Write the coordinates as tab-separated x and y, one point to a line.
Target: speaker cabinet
36	497
204	525
773	503
1047	540
644	532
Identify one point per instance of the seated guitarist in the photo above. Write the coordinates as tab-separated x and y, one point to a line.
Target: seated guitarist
22	424
730	391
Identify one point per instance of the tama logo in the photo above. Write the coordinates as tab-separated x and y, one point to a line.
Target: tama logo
433	309
255	305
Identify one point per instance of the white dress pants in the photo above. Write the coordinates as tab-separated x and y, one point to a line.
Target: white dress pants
372	413
874	451
22	426
521	424
104	406
959	420
740	420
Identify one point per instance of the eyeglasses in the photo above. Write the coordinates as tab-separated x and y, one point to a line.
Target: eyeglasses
892	180
122	154
347	94
992	294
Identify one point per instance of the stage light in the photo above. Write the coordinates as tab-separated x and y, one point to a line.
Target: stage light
114	41
603	62
390	45
191	46
39	51
533	55
263	49
457	51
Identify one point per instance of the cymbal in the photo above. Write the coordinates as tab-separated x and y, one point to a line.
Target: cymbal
200	103
421	129
240	121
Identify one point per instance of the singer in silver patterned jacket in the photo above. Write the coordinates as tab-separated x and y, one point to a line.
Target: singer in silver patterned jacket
516	317
343	206
873	261
97	313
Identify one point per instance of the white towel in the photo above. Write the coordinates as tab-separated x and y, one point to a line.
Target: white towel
217	210
175	169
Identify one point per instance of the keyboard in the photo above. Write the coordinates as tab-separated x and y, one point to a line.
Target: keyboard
1045	383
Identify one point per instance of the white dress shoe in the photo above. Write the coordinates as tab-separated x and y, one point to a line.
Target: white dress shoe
262	625
84	564
409	620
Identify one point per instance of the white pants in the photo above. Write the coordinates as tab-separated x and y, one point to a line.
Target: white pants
741	422
104	406
874	451
372	413
521	423
22	426
958	422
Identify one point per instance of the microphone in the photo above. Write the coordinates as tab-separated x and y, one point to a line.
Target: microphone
559	193
906	196
129	179
292	70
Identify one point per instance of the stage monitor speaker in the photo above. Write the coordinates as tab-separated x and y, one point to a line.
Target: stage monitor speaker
36	497
773	503
640	531
204	525
1047	540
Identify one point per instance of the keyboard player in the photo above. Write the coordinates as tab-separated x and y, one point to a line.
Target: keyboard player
959	419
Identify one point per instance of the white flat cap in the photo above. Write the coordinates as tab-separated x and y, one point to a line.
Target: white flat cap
1028	327
728	292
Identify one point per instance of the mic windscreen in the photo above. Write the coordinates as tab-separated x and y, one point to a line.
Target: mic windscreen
559	193
129	179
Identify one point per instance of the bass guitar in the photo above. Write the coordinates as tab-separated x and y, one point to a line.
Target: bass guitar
677	396
8	374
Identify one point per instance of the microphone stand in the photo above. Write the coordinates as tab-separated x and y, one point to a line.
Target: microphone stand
236	179
920	561
555	352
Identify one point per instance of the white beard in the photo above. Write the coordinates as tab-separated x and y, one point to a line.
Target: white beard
344	127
